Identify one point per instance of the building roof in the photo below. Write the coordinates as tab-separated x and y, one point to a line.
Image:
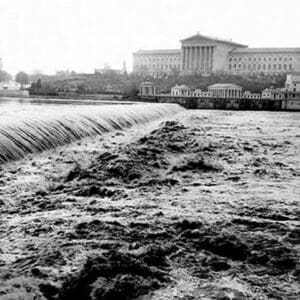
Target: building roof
199	37
180	87
147	83
159	52
224	86
264	50
272	90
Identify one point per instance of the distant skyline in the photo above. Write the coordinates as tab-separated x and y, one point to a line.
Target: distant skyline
82	35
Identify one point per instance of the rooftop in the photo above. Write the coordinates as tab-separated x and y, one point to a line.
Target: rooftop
180	87
200	37
265	50
159	52
224	86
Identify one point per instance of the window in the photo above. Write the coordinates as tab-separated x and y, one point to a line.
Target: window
269	66
259	59
280	58
254	59
269	58
250	59
285	59
284	66
265	59
258	67
249	67
230	67
264	66
234	65
291	59
291	66
239	66
234	59
279	67
230	59
275	59
274	67
240	58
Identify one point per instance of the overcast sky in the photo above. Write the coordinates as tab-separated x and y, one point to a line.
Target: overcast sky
81	35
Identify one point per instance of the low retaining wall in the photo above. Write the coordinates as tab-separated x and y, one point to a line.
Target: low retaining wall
14	93
225	103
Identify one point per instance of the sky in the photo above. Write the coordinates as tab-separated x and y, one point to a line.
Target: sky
81	35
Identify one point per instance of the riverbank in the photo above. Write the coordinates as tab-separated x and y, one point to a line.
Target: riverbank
202	206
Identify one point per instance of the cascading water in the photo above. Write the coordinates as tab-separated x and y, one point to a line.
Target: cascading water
31	131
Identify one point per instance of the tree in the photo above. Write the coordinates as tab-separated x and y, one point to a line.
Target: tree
22	78
4	76
38	84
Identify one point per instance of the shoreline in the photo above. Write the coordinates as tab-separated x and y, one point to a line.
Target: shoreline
202	212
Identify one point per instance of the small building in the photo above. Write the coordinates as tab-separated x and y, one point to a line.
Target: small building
225	90
272	93
292	83
10	85
249	95
199	93
148	88
180	90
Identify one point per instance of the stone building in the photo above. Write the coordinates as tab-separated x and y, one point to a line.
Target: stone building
225	90
263	60
147	88
180	90
157	62
292	82
205	55
1	64
249	95
201	54
272	93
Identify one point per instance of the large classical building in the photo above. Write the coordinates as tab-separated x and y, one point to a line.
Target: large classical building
206	55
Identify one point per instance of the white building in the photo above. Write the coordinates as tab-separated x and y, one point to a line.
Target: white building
180	90
205	55
292	83
225	90
272	93
249	95
147	88
10	85
199	93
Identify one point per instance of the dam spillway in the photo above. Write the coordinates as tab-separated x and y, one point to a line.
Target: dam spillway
33	129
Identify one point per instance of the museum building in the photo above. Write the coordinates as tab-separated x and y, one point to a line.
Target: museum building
200	54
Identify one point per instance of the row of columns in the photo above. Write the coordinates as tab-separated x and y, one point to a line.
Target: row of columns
227	93
198	58
147	90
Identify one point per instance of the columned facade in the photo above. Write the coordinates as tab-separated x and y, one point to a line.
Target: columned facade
198	59
205	55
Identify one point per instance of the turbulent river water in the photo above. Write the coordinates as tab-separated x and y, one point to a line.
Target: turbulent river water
32	126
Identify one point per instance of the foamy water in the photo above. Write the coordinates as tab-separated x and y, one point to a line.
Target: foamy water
34	128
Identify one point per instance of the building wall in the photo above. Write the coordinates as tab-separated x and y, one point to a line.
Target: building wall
227	57
157	63
1	64
220	58
267	63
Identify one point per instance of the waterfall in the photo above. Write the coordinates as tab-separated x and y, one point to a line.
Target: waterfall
36	130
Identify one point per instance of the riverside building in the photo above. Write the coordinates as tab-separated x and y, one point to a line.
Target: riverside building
201	54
